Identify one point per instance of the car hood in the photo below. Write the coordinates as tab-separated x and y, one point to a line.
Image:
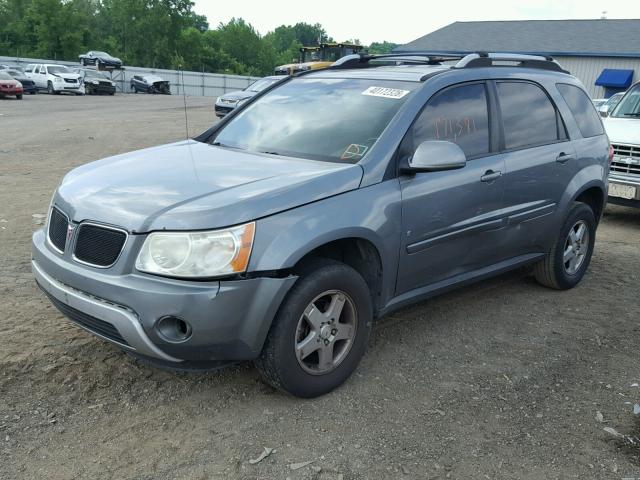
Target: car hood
74	76
193	185
623	130
237	95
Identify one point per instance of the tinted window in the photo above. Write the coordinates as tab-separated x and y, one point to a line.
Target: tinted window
582	109
528	116
458	115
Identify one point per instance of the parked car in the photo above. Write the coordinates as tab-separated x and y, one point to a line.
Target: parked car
227	102
28	85
325	202
96	83
623	128
102	60
55	79
150	84
598	102
610	104
9	86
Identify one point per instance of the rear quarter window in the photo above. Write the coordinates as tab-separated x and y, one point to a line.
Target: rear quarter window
582	109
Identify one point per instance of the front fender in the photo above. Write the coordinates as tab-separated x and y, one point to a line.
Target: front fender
372	213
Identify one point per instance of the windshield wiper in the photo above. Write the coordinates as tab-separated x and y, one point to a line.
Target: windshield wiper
634	114
224	145
267	152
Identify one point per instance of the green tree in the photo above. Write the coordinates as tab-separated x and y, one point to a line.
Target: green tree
382	47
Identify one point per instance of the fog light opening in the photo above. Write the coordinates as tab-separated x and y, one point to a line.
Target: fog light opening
173	329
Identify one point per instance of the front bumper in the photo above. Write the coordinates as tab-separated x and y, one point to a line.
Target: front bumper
229	319
629	180
100	88
11	91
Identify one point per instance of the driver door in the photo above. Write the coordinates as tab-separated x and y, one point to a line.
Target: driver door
452	219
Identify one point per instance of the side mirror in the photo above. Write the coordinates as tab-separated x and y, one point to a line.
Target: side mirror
435	156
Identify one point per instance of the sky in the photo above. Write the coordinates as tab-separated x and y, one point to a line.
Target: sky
402	20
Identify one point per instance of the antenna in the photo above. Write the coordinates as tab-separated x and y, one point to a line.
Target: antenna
184	101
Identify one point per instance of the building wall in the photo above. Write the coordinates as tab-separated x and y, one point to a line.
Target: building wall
587	69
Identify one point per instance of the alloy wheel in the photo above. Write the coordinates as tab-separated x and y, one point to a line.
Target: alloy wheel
325	332
576	247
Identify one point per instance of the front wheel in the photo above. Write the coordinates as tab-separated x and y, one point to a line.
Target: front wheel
320	332
50	89
569	258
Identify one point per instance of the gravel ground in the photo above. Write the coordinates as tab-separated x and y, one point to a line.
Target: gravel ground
503	379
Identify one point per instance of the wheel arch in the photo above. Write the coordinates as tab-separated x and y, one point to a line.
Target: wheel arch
594	195
359	253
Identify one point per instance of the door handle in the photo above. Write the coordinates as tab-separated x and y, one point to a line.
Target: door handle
490	176
564	157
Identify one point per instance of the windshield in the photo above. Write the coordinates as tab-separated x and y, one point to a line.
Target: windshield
629	106
262	84
94	74
335	120
101	54
58	69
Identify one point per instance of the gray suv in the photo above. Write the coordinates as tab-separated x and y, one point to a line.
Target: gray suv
326	201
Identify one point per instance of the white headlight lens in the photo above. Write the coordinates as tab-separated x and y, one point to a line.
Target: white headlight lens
197	254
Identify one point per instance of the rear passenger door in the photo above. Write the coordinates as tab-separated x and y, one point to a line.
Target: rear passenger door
539	161
451	219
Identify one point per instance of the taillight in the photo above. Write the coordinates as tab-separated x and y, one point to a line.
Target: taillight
610	154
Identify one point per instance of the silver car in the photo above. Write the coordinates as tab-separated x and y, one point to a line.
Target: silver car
282	233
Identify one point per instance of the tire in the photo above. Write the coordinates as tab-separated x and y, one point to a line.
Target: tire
19	97
50	89
553	271
322	284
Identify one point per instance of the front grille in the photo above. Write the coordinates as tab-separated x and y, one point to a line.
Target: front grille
99	246
27	83
92	324
223	109
58	224
70	80
626	159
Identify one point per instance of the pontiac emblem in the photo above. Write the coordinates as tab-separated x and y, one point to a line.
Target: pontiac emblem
70	229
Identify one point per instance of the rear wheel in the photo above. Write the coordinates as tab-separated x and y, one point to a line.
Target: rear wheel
320	332
50	89
569	258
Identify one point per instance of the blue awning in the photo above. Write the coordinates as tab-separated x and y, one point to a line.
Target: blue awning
614	78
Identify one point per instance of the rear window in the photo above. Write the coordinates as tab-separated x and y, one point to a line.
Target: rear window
528	116
582	109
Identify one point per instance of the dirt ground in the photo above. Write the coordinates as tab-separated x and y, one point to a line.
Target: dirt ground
501	380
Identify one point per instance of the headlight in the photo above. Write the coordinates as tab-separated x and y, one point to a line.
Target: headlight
57	79
197	254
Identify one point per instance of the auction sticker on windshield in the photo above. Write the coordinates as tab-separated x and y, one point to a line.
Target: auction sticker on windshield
385	92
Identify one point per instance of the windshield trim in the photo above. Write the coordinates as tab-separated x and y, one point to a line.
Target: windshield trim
634	90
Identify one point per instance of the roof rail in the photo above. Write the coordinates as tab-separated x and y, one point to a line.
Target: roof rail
425	58
484	59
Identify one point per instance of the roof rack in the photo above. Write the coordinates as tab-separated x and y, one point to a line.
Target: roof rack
484	59
357	60
465	60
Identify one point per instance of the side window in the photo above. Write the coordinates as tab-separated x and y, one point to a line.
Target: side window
582	109
43	70
528	116
459	115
